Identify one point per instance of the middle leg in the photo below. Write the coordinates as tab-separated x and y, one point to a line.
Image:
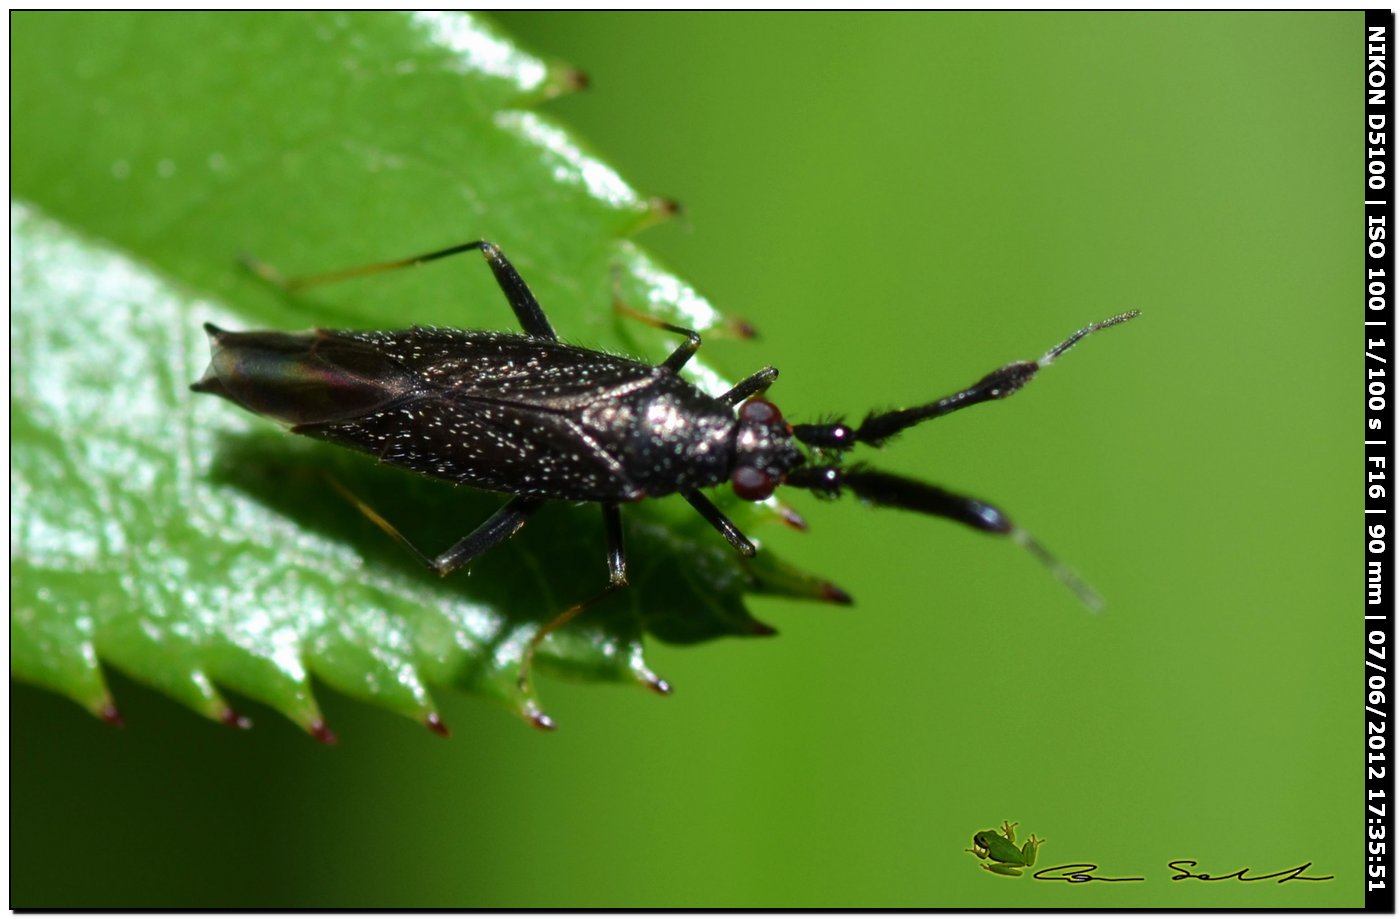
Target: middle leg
716	519
617	579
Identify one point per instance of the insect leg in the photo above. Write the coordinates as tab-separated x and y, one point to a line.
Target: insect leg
750	386
884	489
499	527
692	338
720	522
682	354
877	428
617	579
527	309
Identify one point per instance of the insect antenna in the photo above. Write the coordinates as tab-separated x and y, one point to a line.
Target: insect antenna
885	489
879	427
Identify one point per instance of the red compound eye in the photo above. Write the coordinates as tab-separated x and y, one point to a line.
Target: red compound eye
760	411
751	483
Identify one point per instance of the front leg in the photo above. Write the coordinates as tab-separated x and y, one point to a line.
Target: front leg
678	358
716	519
1028	851
750	386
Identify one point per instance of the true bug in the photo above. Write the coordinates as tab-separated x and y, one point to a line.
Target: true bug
537	419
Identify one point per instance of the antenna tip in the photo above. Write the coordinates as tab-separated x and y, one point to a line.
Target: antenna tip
1090	329
1086	594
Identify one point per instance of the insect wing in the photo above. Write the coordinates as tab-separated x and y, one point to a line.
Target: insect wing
511	449
512	369
301	377
497	411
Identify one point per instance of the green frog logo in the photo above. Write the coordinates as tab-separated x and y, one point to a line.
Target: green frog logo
1000	852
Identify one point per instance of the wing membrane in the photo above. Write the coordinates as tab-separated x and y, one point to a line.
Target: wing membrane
512	369
510	449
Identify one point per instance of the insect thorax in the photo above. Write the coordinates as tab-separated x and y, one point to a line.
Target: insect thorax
667	437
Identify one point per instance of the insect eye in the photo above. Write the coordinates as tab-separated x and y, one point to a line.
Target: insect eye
752	483
760	411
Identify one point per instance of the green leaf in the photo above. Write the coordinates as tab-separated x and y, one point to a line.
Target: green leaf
195	547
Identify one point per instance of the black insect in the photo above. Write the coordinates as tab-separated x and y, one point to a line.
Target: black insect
531	417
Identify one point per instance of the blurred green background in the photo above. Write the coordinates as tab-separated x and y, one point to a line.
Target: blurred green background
899	203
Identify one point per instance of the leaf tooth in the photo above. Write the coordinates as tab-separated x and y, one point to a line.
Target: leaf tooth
236	719
109	713
191	688
211	704
652	211
562	80
528	708
434	723
93	695
833	594
644	675
306	714
771	575
322	732
761	629
386	677
653	682
286	690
